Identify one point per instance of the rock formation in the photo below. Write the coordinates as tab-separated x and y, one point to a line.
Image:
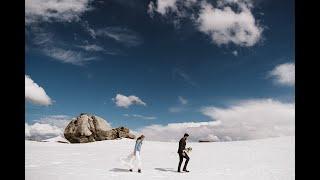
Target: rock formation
89	128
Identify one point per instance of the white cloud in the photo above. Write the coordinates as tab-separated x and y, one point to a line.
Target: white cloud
92	47
122	35
174	131
284	74
42	38
251	119
211	137
182	100
90	30
40	131
60	121
57	49
126	101
138	116
224	25
55	10
163	6
67	56
48	126
230	21
35	94
137	134
151	9
96	48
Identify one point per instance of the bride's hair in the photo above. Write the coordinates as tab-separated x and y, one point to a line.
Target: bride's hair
140	137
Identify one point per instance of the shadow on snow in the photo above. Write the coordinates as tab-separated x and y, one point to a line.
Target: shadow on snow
165	169
119	170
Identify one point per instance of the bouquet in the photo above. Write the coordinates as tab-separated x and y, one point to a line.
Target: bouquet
188	150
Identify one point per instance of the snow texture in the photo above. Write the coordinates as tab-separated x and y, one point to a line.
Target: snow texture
265	159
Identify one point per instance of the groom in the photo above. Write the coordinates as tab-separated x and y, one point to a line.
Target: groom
182	154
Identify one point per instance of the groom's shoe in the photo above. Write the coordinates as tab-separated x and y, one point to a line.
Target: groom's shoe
139	170
186	170
130	170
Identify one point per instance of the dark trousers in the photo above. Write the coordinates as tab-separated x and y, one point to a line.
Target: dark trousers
181	156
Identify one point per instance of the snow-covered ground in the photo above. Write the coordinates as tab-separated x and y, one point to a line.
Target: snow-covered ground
265	159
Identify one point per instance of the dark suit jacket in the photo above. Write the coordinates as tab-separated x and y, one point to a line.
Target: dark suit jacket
182	145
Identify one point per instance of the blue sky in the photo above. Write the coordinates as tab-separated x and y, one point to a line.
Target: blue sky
85	59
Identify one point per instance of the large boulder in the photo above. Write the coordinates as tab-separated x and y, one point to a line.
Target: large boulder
88	128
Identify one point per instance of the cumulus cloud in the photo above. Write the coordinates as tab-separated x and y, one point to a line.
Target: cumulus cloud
124	36
55	10
250	119
48	127
225	25
126	101
40	131
60	121
163	6
229	21
35	94
138	116
284	74
174	131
